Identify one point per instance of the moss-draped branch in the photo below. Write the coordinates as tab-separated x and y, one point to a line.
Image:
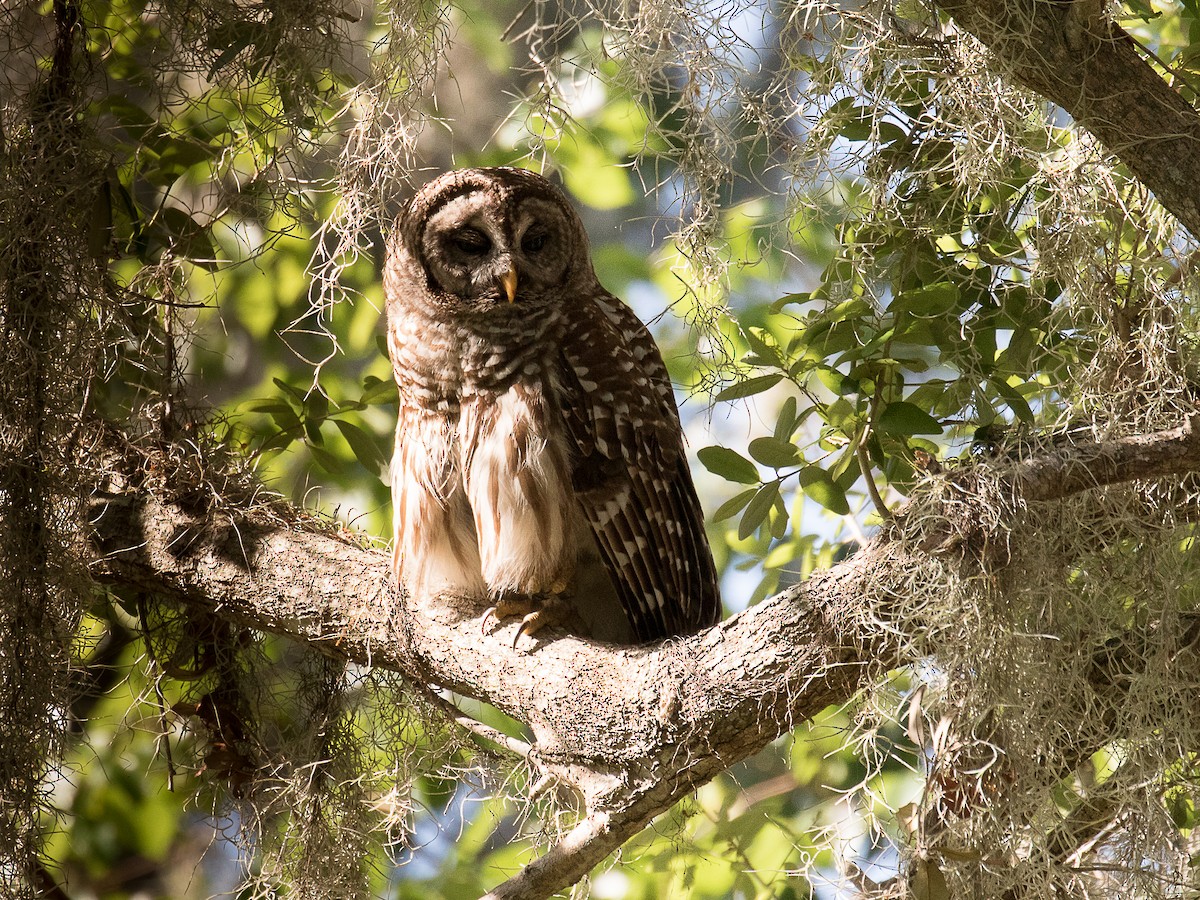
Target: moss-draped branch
632	729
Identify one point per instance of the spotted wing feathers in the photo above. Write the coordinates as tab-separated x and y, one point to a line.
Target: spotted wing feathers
630	472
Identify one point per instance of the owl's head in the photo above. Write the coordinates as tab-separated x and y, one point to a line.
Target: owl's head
491	239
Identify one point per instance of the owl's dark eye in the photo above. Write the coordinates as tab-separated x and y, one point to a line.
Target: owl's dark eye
471	241
534	240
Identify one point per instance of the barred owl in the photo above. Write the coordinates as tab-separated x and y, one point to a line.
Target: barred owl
539	458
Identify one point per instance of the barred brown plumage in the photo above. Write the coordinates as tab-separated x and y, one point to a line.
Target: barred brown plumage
539	452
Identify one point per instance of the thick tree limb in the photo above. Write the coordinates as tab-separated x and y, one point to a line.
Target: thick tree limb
1076	468
633	729
1091	68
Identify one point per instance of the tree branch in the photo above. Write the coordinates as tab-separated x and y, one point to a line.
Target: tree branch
1073	469
1091	68
633	729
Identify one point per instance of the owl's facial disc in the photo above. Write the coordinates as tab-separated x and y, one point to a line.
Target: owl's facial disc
464	249
485	252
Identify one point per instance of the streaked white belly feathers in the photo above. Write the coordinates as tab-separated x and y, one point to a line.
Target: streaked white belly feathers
484	504
518	483
436	550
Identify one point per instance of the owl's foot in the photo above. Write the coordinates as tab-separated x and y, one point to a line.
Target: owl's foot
536	612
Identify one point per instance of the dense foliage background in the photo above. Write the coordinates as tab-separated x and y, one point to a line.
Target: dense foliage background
861	249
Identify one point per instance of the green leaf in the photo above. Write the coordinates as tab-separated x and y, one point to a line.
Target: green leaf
758	508
929	299
326	460
836	381
317	405
926	882
773	452
176	156
1182	809
729	464
733	505
750	386
837	337
779	519
763	345
1014	399
233	38
856	122
594	177
901	418
130	117
100	223
1019	352
187	237
816	484
842	414
376	390
285	417
272	406
366	451
983	341
785	425
787	299
312	428
280	440
840	468
288	389
852	310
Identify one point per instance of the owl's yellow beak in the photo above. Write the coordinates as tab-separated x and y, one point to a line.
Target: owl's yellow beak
509	282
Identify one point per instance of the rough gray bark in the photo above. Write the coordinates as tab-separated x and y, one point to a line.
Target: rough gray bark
632	729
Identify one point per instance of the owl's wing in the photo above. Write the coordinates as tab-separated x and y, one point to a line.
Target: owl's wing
630	472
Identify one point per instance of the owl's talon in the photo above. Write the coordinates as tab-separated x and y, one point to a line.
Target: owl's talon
507	605
536	612
530	624
553	610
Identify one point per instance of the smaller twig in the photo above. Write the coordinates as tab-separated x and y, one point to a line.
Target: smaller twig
504	36
864	461
1176	72
493	735
856	530
163	738
1072	470
580	849
542	785
1180	271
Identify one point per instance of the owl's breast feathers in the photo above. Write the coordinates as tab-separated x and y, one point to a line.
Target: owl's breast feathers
435	548
481	451
517	475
